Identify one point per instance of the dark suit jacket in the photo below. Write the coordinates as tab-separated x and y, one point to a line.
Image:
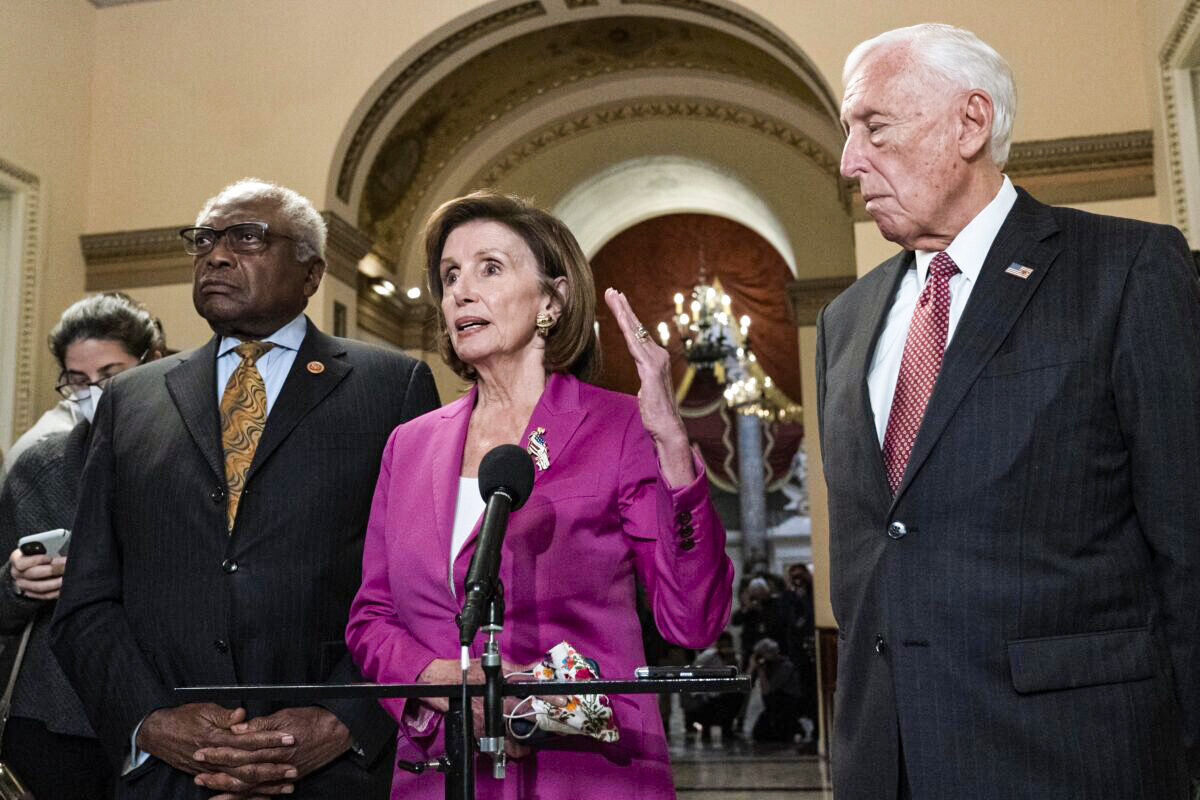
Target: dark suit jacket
1024	615
157	595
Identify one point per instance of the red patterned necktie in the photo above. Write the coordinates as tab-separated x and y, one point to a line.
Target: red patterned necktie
243	417
919	367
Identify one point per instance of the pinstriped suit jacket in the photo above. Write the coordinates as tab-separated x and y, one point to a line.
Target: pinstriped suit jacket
1031	627
157	595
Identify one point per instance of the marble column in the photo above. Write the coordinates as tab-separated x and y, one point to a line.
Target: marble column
752	494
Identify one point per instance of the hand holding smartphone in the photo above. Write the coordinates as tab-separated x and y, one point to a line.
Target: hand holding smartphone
49	543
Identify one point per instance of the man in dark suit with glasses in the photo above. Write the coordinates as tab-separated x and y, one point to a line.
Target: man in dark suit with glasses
219	536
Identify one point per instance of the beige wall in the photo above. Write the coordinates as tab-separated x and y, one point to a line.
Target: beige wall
45	121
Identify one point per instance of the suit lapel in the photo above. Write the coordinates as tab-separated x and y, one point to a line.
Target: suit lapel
875	318
559	412
447	465
994	307
302	391
193	387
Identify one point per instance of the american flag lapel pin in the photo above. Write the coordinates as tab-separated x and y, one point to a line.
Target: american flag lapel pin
1019	270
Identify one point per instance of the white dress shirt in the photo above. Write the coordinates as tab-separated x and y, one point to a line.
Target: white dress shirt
968	250
274	365
468	508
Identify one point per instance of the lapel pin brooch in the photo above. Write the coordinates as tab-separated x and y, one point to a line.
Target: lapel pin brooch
537	448
316	367
1019	270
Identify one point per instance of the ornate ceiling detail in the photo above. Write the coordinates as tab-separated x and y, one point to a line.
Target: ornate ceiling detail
759	31
603	116
429	59
460	107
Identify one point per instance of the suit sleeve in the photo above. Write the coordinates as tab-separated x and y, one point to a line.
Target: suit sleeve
378	639
1156	375
422	394
90	634
689	587
21	500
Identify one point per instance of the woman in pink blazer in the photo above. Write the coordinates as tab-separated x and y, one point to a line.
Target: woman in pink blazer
617	495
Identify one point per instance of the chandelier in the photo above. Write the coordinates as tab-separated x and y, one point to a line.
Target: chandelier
710	339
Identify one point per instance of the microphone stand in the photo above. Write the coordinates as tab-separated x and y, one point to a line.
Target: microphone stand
493	693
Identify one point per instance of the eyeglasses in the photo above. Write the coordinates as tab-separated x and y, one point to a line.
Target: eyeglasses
244	237
71	388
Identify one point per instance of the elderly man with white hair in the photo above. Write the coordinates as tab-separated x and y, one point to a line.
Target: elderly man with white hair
221	523
1008	421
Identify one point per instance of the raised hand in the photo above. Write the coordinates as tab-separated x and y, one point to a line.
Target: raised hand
656	397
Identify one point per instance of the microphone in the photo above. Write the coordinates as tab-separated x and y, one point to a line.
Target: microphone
505	481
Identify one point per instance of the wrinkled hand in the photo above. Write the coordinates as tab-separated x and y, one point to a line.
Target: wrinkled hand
314	737
656	397
37	577
447	670
179	735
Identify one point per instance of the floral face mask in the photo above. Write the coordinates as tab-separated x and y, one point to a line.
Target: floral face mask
589	715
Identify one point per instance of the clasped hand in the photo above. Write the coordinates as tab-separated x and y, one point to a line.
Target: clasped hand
244	758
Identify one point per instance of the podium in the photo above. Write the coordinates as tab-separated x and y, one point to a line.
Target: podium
457	764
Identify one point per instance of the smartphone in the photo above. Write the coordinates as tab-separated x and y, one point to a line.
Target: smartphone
646	673
50	543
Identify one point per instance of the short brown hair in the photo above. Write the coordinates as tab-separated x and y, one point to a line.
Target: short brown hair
571	345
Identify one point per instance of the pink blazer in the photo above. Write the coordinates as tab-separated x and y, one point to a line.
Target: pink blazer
599	515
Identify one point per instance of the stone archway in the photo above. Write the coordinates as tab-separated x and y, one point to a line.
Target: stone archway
572	91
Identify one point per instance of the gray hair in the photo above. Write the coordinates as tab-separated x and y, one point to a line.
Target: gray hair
307	225
961	58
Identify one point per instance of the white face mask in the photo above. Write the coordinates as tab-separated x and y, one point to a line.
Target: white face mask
86	402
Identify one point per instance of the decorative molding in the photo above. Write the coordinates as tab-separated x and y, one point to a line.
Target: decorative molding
414	71
155	256
405	324
458	112
757	30
30	190
603	116
133	259
1076	169
1186	28
807	297
345	246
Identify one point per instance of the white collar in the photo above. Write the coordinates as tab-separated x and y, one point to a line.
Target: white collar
289	337
970	247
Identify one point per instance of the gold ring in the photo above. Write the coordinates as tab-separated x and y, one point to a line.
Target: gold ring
641	334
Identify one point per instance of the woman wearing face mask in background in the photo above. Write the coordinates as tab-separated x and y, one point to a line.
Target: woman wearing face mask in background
48	741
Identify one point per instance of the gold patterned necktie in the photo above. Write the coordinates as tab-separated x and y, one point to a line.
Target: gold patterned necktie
243	417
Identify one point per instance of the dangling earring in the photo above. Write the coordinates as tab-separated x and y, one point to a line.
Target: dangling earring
543	322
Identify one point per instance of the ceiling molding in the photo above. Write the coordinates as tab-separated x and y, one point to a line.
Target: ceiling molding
1076	169
422	65
805	298
401	322
155	257
618	113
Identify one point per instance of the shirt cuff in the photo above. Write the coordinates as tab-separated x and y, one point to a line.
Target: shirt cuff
136	756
